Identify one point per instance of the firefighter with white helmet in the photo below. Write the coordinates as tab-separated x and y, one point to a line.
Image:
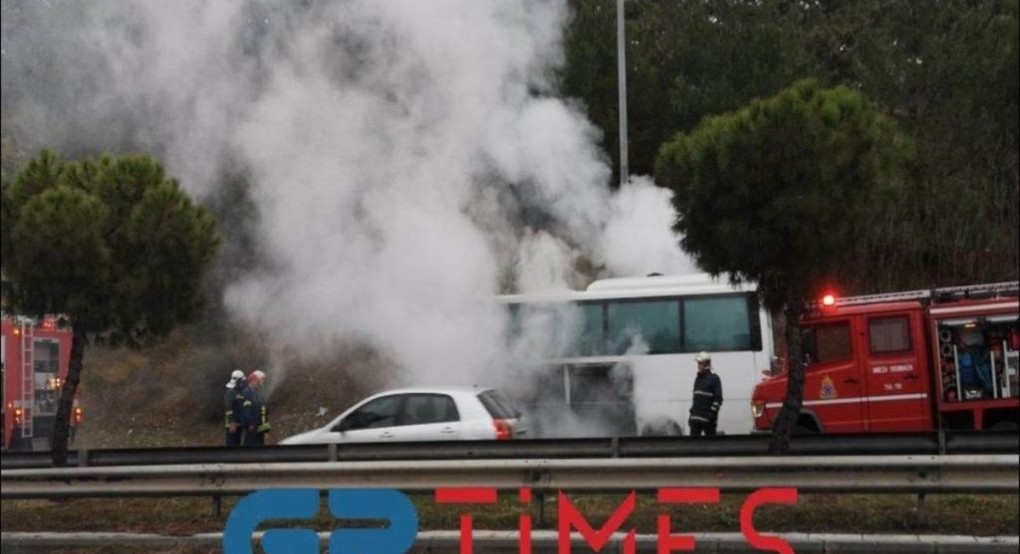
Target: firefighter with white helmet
233	403
707	399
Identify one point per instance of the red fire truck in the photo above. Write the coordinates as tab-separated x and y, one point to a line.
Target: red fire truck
911	361
34	354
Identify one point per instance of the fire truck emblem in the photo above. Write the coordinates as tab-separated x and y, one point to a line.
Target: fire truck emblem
828	389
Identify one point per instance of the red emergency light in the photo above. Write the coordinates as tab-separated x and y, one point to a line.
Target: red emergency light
829	300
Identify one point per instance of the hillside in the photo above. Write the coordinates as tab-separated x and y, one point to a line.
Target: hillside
170	394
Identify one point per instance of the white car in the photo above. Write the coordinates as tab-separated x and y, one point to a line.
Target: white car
422	414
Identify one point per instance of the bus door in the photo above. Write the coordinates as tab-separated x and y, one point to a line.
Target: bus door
602	396
897	383
833	384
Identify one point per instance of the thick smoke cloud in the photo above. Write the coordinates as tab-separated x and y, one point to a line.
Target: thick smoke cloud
407	159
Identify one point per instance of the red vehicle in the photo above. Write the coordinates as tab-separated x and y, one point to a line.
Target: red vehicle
34	356
912	361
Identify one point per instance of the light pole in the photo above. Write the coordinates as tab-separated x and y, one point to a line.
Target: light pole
621	58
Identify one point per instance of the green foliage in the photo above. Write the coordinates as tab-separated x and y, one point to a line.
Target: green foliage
58	260
685	60
113	242
945	70
786	192
948	71
780	191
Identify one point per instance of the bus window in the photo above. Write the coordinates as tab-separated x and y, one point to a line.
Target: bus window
592	341
717	324
657	322
554	328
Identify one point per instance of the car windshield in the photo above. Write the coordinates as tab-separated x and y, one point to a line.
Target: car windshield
497	405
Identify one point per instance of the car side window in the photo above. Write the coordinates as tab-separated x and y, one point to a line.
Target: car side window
381	412
423	409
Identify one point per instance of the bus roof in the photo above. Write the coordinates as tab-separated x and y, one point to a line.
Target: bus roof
638	287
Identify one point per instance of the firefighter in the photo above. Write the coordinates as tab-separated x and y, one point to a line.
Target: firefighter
233	403
707	398
254	415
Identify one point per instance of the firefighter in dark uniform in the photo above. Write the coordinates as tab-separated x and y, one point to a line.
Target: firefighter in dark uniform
707	398
233	403
254	414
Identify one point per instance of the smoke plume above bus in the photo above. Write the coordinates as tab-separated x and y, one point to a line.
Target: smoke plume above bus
407	160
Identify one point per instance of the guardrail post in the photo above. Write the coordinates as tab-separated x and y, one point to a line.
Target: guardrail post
217	505
540	518
332	453
922	515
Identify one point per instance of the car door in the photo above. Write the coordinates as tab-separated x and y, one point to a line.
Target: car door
896	380
429	417
378	420
832	377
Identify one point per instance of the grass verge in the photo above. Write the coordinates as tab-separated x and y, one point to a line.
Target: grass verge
946	514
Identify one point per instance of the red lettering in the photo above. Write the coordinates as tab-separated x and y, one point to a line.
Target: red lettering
569	518
669	543
755	499
474	495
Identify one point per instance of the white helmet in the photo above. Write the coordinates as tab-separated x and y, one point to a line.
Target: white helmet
237	374
703	357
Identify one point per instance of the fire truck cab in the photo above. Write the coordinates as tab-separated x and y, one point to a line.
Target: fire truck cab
911	361
34	355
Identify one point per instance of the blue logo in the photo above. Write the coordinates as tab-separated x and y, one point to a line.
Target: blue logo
303	504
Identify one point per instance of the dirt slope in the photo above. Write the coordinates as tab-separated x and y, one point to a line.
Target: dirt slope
170	394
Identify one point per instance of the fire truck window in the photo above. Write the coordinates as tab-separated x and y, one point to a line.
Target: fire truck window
889	334
826	343
47	376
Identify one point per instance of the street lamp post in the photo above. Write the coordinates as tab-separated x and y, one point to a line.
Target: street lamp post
621	57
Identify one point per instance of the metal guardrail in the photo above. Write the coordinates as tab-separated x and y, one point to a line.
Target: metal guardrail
441	542
628	447
982	473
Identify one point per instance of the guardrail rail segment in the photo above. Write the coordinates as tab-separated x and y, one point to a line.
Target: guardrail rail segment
965	442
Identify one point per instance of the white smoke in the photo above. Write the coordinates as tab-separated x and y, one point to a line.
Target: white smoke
405	157
637	238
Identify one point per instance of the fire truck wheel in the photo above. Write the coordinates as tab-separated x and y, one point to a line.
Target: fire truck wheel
802	430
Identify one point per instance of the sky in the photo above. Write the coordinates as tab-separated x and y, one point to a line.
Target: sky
405	160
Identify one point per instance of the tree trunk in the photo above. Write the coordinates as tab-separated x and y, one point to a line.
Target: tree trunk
62	425
782	429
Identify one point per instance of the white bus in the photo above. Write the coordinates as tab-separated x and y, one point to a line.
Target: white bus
618	358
